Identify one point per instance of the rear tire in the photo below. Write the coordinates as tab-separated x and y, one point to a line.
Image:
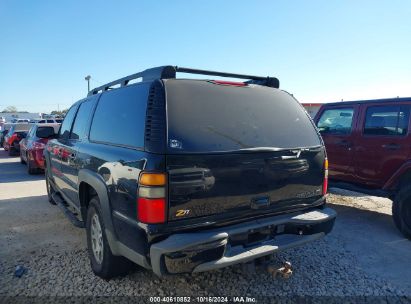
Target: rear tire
50	189
22	161
401	211
103	263
10	150
30	169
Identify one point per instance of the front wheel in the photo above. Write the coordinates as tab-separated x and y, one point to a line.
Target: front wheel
401	211
103	262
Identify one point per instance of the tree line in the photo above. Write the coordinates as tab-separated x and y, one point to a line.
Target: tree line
13	109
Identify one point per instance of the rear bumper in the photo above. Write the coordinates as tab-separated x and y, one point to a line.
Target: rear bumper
37	158
222	247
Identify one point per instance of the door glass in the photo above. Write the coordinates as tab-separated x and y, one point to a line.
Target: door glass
336	121
386	120
31	132
82	119
66	125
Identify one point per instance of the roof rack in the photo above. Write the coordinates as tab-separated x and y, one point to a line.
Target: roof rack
168	72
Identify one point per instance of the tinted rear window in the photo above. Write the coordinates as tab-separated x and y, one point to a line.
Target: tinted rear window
120	116
206	117
45	132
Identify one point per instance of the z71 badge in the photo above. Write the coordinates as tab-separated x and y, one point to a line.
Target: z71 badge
182	212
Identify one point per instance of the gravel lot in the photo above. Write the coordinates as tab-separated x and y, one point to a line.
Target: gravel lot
363	256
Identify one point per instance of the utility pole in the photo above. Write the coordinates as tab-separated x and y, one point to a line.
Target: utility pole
88	77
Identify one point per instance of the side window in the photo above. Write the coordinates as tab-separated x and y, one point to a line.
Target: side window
66	125
387	120
120	116
336	121
50	121
82	118
31	132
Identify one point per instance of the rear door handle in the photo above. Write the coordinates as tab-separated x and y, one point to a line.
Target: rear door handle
391	146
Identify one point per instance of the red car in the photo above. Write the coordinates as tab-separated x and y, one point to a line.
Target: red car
15	134
369	150
32	147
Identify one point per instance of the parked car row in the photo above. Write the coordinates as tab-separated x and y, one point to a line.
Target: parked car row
28	141
32	146
13	136
48	120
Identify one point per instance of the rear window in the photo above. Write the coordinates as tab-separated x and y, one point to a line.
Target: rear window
45	132
120	116
207	117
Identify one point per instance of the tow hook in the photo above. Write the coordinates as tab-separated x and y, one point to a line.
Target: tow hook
285	271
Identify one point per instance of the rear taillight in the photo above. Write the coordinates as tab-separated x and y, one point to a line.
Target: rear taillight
38	145
151	202
12	139
325	183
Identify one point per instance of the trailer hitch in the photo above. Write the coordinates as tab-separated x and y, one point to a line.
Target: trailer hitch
285	271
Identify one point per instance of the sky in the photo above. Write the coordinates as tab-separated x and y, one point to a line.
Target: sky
322	51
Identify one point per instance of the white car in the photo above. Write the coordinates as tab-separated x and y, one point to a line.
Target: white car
48	120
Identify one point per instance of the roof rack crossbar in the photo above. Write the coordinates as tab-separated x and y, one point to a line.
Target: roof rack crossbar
168	71
261	80
214	73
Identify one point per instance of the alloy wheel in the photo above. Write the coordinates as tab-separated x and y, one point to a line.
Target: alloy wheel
97	239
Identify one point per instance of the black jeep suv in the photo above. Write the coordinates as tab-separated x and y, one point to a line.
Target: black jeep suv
189	175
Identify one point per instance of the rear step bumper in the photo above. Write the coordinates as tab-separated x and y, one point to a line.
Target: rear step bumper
222	247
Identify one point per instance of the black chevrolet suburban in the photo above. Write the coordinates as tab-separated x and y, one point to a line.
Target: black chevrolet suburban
186	175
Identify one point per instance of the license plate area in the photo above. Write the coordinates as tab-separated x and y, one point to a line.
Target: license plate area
255	236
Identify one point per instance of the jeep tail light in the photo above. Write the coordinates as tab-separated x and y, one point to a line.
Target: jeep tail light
151	202
325	183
